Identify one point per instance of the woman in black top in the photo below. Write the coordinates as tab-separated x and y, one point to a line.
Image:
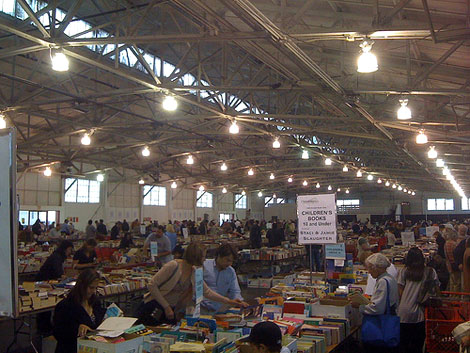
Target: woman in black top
85	257
78	313
53	268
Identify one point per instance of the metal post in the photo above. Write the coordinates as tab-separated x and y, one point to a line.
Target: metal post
311	265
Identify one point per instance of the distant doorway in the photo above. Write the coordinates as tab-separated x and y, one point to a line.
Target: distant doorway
225	217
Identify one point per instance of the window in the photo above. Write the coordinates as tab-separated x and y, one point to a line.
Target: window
441	204
224	217
82	190
27	218
240	201
344	205
154	195
465	204
280	200
204	199
268	200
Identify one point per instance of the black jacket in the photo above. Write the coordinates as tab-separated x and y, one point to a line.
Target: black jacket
114	232
101	228
68	316
53	268
125	227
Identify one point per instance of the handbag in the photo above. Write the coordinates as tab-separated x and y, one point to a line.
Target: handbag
381	330
427	296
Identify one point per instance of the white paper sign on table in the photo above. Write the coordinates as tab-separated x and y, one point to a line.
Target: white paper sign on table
117	324
431	230
317	219
407	238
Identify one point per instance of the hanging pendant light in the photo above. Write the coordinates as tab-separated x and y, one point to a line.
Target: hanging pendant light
317	186
328	161
47	172
304	183
338	189
59	62
367	61
274	196
276	143
260	194
223	167
347	191
329	187
141	181
305	154
3	122
370	177
234	129
387	183
86	140
289	180
145	151
345	168
174	185
190	160
403	113
421	138
271	176
359	173
440	163
224	190
394	186
243	193
202	188
100	177
251	172
379	181
432	153
170	103
400	188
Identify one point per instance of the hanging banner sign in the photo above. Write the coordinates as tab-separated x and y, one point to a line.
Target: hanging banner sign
317	219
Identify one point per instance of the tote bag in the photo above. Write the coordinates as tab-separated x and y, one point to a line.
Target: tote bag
381	330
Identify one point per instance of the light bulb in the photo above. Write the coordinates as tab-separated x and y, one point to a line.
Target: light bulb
251	172
174	185
329	187
3	122
276	143
190	160
359	174
223	167
405	190
59	62
271	176
338	189
409	192
141	181
379	181
202	188
145	151
86	140
367	61
274	196
370	177
432	153
243	192
345	168
413	193
387	183
421	138
260	194
47	172
234	129
327	161
305	154
317	186
289	180
100	177
440	163
347	191
394	186
400	188
403	113
304	183
170	103
224	190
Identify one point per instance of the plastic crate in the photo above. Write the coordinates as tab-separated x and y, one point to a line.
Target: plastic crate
440	321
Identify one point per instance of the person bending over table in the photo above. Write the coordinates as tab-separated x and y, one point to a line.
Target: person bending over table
85	257
163	244
220	276
171	290
78	313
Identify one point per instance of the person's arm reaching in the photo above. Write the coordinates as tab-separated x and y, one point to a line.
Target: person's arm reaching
211	295
377	302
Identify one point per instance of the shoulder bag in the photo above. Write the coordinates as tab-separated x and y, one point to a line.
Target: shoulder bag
381	330
427	296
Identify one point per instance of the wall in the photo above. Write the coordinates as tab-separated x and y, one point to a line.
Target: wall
125	201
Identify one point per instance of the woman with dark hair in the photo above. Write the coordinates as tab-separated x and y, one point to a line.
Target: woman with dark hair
85	257
171	289
126	241
415	281
53	268
78	313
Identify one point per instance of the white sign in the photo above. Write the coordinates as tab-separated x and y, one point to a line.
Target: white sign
431	230
407	238
185	233
317	219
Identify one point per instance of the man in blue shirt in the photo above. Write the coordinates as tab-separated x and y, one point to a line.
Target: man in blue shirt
220	276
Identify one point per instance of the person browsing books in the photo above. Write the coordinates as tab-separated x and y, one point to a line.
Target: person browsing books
171	289
220	276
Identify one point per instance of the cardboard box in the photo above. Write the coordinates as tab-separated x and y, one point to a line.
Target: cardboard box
128	346
331	308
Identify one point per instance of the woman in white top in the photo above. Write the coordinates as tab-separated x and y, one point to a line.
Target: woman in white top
413	283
